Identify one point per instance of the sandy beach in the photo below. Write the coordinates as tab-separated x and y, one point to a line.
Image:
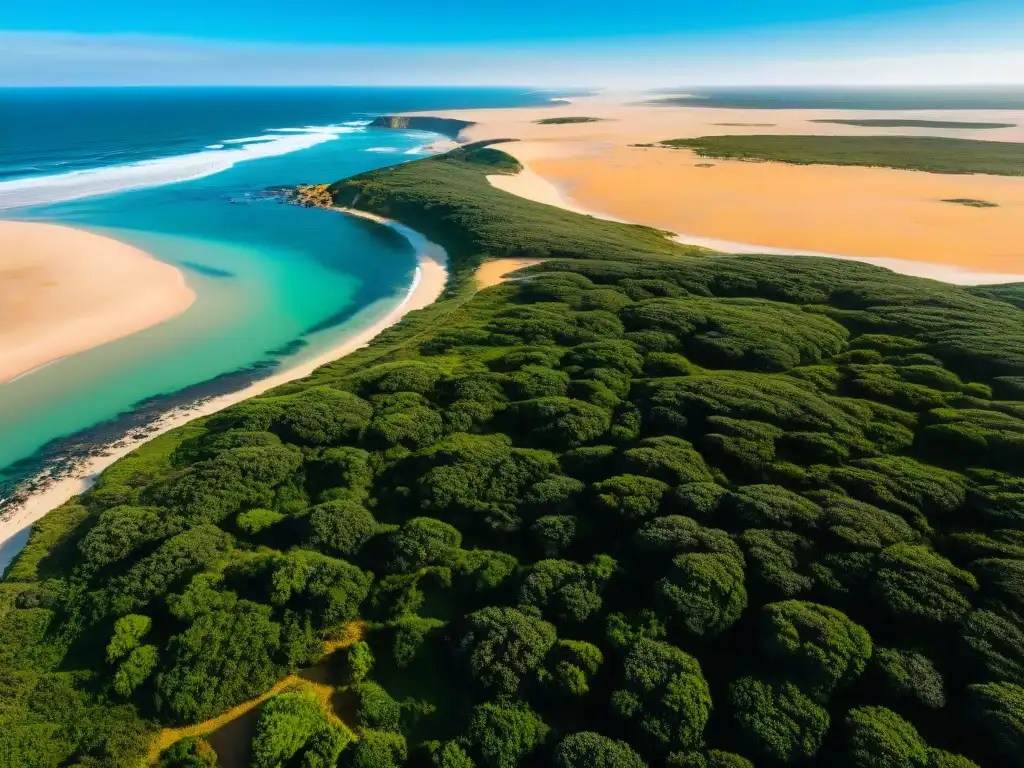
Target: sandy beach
428	283
65	290
866	213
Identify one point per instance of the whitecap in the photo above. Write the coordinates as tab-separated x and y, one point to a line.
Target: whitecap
381	149
53	188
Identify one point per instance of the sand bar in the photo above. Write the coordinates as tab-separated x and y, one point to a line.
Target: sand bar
865	213
65	290
428	283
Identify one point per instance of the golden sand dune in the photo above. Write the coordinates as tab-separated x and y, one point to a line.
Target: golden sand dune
851	211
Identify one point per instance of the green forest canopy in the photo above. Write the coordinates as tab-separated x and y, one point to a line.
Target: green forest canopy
918	153
567	120
646	506
891	123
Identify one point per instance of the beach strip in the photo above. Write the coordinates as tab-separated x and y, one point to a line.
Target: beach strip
428	283
65	290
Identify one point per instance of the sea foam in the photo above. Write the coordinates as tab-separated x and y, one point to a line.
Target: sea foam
55	188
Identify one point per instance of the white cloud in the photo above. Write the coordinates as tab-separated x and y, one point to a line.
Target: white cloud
53	58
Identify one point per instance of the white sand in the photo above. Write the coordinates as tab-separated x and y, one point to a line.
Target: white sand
65	290
428	283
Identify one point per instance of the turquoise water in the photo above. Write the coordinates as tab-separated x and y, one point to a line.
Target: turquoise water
275	283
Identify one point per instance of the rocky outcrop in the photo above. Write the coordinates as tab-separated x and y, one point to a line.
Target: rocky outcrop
446	126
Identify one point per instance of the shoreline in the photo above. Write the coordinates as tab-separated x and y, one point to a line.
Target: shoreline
530	185
429	280
896	218
65	290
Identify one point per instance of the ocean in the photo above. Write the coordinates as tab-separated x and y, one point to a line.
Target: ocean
182	173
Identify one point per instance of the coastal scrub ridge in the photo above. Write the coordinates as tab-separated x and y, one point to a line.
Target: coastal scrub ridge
647	505
918	153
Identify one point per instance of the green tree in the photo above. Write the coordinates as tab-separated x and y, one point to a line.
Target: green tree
254	521
998	709
630	497
505	735
118	533
912	675
820	645
669	459
588	749
325	746
938	758
879	738
915	583
566	590
560	422
128	630
554	534
135	669
705	591
287	722
341	526
223	658
715	758
664	695
358	662
451	755
189	752
772	506
780	723
376	709
504	646
994	640
379	749
424	541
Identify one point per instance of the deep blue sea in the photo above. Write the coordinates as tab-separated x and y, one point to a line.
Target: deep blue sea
182	173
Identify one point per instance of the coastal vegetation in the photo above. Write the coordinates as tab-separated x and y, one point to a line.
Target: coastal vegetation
646	505
567	120
890	123
919	153
971	202
446	126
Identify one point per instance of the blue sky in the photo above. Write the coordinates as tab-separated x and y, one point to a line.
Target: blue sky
414	21
552	42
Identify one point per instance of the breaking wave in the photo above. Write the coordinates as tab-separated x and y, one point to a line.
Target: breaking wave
55	188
